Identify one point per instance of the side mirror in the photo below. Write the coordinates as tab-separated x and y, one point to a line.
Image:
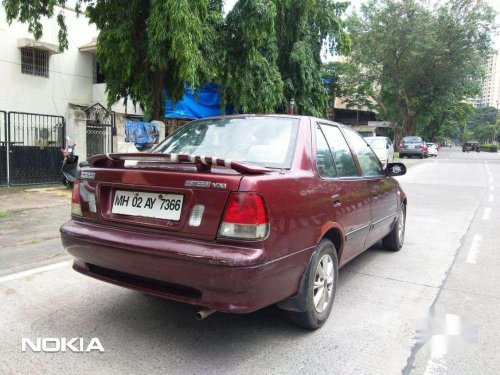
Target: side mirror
396	169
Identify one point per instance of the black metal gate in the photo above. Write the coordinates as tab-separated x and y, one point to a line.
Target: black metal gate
100	130
34	143
3	148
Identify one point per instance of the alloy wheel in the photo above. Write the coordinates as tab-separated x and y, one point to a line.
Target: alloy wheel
323	283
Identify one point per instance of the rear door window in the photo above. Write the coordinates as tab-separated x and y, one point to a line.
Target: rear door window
324	158
340	150
368	161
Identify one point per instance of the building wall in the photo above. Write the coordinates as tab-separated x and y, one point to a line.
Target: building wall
70	72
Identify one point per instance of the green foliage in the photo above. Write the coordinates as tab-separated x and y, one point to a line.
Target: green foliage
252	81
415	63
274	53
481	116
488	148
303	28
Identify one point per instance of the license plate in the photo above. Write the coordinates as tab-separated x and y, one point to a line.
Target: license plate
411	146
155	205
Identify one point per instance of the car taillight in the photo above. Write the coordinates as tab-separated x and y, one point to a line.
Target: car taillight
400	144
422	146
245	217
76	208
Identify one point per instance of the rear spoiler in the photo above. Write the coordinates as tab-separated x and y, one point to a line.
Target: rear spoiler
203	163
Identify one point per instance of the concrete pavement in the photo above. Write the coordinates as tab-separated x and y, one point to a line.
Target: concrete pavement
29	227
443	283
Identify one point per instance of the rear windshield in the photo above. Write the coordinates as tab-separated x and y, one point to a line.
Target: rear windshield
412	139
265	141
375	142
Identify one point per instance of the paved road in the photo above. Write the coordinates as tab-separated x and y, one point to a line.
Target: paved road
444	284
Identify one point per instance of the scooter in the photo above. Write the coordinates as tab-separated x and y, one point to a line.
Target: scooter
69	167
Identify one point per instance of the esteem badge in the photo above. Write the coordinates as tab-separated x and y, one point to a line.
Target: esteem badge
192	183
86	175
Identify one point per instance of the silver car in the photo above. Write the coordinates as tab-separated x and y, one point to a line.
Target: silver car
383	147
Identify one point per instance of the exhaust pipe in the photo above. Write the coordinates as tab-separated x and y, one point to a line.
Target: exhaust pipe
202	314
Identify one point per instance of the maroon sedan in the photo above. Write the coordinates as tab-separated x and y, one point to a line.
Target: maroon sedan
237	213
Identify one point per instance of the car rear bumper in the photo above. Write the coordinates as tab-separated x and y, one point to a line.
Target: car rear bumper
166	268
411	152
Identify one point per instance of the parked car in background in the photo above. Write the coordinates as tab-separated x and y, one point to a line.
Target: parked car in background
432	149
383	148
286	202
412	146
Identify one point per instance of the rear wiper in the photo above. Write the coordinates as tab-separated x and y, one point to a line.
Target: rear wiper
202	163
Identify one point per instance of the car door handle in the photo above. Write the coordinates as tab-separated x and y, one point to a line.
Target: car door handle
336	200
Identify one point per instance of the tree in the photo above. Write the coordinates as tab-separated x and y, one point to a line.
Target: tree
143	47
417	64
252	82
274	53
303	29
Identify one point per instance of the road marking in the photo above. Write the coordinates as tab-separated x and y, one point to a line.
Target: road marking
491	180
492	188
486	213
33	271
474	249
491	198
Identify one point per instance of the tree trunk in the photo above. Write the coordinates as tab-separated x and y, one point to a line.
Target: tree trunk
408	124
157	97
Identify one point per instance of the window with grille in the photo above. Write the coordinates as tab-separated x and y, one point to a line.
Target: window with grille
35	62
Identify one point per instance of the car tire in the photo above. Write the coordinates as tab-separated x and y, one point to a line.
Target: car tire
395	239
420	156
318	287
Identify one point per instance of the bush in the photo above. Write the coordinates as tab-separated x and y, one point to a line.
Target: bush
488	148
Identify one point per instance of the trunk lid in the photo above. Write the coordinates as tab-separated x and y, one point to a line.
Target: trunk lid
148	192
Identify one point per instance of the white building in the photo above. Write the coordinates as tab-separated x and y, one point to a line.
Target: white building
38	79
490	91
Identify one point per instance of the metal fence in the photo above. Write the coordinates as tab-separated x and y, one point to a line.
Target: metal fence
100	129
3	149
33	145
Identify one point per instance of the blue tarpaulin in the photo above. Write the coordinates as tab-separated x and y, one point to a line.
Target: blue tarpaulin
197	103
142	134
